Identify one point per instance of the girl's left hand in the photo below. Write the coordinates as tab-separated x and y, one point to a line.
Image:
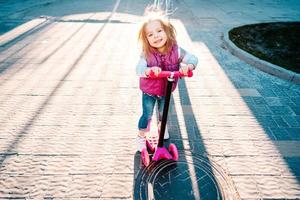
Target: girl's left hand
185	68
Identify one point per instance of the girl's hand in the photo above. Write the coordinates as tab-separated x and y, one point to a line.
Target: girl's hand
184	68
155	69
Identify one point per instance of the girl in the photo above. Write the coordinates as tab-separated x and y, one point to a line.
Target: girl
160	53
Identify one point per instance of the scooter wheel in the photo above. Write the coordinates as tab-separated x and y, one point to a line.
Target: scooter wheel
145	157
173	151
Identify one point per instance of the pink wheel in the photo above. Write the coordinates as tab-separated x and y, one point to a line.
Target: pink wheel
145	157
173	151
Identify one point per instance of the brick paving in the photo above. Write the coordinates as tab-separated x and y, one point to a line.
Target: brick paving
69	104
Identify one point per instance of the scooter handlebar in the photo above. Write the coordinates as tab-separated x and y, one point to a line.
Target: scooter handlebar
167	74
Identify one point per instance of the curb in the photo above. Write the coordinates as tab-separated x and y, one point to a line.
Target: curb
264	66
21	31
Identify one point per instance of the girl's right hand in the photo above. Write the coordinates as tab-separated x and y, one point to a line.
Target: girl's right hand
154	69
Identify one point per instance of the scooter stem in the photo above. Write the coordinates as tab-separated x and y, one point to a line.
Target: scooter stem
165	112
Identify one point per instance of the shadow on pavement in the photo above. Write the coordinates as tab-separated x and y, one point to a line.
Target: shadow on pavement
193	176
22	133
276	105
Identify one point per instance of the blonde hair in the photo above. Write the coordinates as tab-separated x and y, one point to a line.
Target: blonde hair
168	28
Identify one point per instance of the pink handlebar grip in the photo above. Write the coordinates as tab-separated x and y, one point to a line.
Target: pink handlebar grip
166	74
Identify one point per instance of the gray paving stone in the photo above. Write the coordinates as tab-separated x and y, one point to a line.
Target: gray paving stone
267	93
259	101
264	109
294	133
248	92
266	121
296	100
274	101
281	110
280	122
297	117
296	110
291	121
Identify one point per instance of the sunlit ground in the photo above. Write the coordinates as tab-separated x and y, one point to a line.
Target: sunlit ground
70	102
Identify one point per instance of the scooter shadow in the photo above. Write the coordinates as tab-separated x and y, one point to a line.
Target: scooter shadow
143	176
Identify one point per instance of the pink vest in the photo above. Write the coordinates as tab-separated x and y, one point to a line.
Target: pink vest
168	62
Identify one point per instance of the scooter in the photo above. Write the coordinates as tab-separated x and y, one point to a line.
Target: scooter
155	147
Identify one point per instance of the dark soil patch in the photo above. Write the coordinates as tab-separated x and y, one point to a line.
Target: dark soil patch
278	42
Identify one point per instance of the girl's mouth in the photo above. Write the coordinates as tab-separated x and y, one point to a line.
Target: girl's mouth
158	41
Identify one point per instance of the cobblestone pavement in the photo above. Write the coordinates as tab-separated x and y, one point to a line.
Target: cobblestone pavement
69	106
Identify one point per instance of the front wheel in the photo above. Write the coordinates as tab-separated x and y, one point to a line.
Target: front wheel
173	151
145	157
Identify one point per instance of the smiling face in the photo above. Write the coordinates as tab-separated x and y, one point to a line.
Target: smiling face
156	35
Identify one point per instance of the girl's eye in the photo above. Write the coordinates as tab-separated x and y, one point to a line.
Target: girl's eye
150	35
159	31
